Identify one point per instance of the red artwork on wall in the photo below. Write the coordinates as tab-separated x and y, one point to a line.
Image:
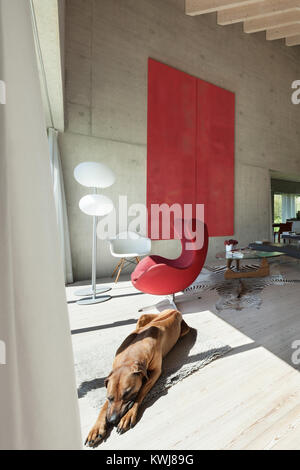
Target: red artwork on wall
191	145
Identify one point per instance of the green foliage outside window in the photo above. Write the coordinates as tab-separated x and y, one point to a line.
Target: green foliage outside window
277	209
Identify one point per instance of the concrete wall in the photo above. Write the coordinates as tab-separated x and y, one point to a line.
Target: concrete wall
108	43
61	4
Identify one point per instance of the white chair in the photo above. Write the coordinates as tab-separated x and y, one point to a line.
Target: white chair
129	247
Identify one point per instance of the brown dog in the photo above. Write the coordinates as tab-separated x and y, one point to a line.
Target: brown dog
136	368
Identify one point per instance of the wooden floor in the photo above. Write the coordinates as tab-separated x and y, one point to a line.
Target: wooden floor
248	399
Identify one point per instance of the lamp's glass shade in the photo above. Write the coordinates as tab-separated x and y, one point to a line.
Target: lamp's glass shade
96	205
94	175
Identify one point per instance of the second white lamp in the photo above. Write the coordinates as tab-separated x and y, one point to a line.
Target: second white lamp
94	175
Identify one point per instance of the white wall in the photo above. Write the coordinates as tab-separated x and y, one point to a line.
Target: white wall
108	43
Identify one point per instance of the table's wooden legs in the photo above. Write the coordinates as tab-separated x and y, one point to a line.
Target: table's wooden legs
229	263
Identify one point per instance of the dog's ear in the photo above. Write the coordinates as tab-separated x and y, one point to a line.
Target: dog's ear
139	368
107	380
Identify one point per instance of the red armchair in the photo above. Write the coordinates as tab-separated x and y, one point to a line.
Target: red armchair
160	276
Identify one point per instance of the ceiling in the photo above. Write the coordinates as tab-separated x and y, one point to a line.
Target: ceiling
279	18
278	175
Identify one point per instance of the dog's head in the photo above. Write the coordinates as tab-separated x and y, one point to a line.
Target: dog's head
123	385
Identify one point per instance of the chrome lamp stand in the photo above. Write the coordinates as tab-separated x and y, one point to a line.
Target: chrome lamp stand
93	290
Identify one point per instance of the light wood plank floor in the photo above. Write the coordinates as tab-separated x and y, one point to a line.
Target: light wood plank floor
248	399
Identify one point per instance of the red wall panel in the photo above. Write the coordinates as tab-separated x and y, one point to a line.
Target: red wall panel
171	149
190	145
215	157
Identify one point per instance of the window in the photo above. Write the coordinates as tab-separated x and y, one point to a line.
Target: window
286	207
297	204
277	209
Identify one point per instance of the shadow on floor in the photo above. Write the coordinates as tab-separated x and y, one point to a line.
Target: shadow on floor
131	321
86	387
112	297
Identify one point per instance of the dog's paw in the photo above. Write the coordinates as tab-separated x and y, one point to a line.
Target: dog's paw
128	420
95	436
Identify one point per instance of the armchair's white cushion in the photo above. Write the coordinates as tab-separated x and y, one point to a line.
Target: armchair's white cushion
129	245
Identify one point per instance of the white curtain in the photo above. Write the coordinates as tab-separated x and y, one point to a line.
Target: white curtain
288	207
38	406
60	205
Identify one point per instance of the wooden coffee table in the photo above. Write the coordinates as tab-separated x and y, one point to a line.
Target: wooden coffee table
262	271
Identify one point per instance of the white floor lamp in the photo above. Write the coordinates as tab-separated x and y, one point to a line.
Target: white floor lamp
94	175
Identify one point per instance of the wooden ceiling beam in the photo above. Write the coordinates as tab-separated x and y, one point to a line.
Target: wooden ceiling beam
283	32
280	18
272	21
293	40
257	10
199	7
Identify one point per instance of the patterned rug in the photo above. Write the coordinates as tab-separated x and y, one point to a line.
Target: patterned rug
93	360
236	294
